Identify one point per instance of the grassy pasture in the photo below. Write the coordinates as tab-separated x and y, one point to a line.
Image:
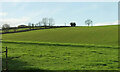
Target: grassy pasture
71	48
103	35
20	29
24	56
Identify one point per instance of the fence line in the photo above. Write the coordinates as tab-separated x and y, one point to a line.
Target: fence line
30	29
6	61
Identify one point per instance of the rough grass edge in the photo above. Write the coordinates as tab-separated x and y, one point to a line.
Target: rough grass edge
61	44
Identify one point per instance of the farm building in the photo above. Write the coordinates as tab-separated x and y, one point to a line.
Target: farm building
22	26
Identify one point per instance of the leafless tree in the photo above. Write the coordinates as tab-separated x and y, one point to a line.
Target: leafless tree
88	22
51	22
39	23
33	25
45	21
36	25
5	27
29	25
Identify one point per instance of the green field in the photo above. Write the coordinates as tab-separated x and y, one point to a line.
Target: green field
20	29
71	48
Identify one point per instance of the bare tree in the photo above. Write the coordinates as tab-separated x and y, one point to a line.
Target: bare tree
36	24
45	21
39	23
65	24
29	25
33	25
5	27
88	22
51	22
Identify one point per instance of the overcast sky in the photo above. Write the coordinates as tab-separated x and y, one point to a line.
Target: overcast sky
101	13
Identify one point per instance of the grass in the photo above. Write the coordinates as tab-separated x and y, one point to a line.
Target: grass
71	48
61	44
106	35
51	57
21	29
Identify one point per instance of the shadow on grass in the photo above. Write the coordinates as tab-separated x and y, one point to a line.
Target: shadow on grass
60	44
15	65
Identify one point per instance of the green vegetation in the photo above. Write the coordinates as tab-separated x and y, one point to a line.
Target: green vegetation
103	35
72	48
20	29
51	57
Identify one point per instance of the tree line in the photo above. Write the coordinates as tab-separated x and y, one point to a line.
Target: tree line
45	22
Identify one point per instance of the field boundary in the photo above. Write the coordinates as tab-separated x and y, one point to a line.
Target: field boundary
61	44
30	29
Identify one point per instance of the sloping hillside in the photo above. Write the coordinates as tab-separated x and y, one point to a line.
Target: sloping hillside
99	35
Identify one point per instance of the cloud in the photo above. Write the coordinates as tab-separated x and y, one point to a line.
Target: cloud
106	23
3	13
14	21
